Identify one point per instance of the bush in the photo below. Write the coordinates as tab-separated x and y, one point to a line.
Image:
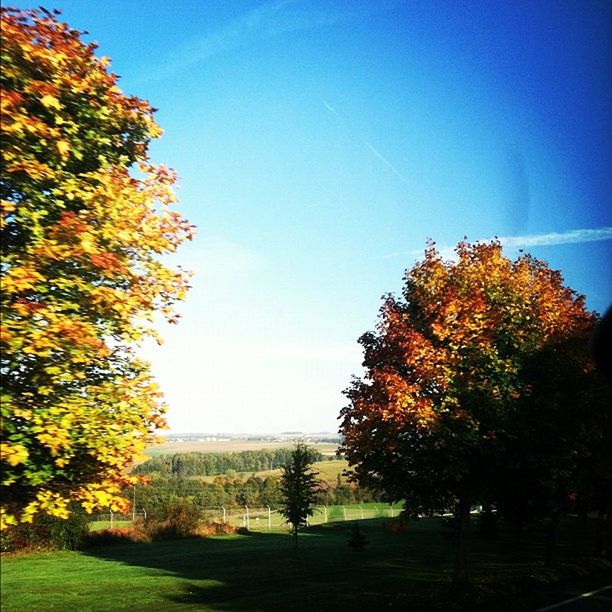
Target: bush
47	532
117	535
400	524
487	524
357	541
209	528
179	518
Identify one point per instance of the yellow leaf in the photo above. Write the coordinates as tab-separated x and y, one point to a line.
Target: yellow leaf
87	244
14	454
51	102
63	147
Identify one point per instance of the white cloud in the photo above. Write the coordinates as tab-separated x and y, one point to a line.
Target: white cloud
263	22
576	236
553	238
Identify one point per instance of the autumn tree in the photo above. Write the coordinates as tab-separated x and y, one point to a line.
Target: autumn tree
557	442
445	373
85	219
298	488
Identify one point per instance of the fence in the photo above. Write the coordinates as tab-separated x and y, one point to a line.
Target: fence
110	520
257	519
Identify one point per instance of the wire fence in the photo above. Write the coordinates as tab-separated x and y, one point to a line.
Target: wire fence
256	519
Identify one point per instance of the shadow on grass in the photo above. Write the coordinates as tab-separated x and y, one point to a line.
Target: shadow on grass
261	572
404	571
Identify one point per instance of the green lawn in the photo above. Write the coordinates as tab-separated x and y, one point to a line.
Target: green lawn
259	518
405	571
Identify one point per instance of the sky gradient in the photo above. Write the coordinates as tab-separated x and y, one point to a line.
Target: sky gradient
319	145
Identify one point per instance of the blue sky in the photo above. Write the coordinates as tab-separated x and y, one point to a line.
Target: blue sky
319	144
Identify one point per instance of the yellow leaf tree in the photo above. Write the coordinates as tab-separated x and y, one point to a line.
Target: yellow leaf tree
85	219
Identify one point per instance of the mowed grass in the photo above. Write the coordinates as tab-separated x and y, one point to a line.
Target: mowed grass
259	518
402	571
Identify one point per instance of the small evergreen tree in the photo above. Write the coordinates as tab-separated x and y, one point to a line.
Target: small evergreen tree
298	488
357	540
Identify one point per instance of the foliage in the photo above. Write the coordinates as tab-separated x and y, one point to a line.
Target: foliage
205	464
177	518
85	217
233	489
447	385
298	490
47	532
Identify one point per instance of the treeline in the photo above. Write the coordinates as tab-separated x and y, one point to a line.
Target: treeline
255	492
210	464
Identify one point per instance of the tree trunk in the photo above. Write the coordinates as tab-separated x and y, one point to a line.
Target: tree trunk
295	541
552	540
604	529
462	515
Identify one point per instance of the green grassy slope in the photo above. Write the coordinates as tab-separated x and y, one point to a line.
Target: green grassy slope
405	571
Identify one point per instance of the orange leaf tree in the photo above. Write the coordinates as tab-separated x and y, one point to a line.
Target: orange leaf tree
446	374
85	217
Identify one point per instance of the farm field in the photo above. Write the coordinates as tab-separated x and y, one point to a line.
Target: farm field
409	570
229	446
327	472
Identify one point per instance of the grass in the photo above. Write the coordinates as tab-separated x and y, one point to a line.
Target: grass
96	525
403	571
349	512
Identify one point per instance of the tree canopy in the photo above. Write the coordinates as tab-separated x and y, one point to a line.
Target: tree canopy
85	219
452	378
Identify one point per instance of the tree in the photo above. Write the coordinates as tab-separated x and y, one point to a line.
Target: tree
298	488
85	219
557	439
445	372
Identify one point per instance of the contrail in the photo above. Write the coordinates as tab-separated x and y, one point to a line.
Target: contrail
387	163
373	150
329	107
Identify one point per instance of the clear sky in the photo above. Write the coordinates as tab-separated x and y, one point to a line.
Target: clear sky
320	143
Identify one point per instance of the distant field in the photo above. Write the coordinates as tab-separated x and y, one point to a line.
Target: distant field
231	446
327	472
